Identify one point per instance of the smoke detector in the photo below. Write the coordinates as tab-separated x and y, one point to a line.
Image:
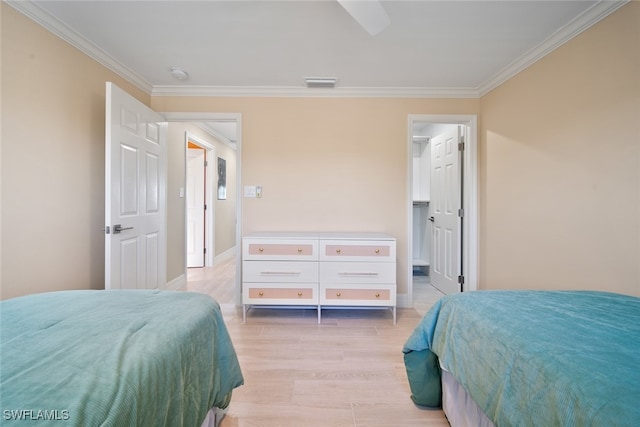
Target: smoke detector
178	73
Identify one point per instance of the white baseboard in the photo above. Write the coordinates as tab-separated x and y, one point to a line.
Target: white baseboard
402	300
231	252
179	283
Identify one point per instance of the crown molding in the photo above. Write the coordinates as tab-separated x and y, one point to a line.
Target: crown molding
597	12
69	35
292	91
588	18
206	126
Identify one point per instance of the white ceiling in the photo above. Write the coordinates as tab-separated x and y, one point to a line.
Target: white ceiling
431	48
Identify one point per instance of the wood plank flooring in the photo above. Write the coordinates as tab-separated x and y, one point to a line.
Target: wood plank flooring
347	371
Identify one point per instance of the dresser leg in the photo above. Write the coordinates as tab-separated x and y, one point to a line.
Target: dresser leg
319	313
244	313
394	314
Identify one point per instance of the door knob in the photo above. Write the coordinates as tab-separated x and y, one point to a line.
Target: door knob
118	228
432	219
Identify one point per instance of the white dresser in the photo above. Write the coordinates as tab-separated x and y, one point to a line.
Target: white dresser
319	269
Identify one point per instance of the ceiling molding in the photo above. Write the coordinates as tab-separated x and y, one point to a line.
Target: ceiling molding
203	120
339	92
69	35
206	126
591	16
587	19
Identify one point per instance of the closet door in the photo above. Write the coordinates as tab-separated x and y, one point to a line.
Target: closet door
444	211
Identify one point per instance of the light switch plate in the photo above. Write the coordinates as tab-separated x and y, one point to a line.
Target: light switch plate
249	191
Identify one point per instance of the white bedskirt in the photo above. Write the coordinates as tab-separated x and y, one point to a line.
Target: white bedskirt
214	417
458	406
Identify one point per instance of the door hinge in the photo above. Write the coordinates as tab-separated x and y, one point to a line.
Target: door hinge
461	144
461	213
206	163
461	280
205	207
107	230
204	251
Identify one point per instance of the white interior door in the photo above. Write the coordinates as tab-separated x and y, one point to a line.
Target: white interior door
445	202
195	207
135	205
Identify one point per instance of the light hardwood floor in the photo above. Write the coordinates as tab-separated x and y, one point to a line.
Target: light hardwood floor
347	371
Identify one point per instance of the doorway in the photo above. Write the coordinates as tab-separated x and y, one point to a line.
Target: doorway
218	125
423	223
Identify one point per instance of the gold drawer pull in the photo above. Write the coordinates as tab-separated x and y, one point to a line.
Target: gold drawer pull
338	251
299	250
261	293
338	294
299	294
377	251
377	294
260	249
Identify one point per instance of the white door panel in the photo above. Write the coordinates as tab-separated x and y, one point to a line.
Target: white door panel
445	202
135	181
195	207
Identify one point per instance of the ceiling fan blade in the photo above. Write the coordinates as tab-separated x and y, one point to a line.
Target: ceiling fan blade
368	13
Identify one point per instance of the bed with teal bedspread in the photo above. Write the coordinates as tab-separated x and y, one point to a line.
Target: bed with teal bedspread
114	358
533	358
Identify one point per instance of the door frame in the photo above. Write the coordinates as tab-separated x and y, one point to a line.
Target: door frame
469	169
210	214
223	117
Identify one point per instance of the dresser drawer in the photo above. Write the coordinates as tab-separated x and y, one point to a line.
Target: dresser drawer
280	249
357	272
372	295
280	294
280	271
358	250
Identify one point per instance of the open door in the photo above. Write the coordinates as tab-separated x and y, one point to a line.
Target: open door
136	193
445	211
196	210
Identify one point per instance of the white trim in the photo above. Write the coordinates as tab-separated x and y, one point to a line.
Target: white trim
294	91
223	256
404	301
197	116
470	220
177	284
205	126
239	196
237	117
591	16
77	40
588	18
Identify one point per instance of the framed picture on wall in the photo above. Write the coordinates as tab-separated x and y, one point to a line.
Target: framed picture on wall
222	179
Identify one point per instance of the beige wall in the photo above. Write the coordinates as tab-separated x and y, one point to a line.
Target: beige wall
53	109
560	167
325	164
559	163
225	210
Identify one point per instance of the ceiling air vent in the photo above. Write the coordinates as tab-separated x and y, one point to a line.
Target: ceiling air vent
317	82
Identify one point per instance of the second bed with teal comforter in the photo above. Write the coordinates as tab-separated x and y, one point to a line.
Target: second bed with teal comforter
533	358
114	358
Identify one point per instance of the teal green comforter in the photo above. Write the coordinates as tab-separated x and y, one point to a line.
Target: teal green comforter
533	358
114	358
